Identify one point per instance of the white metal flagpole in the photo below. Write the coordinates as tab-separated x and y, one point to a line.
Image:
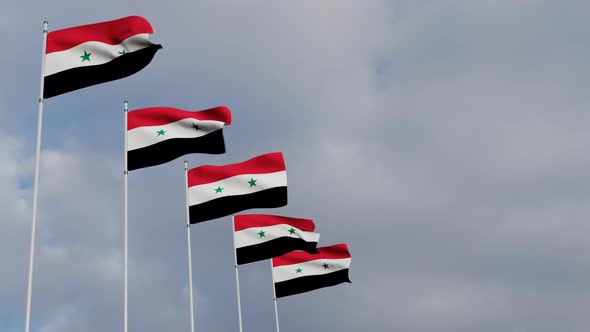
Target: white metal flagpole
36	181
237	274
125	245
274	295
188	241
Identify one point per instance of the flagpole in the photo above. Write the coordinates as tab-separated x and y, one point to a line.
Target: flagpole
274	295
36	181
188	241
237	275
126	222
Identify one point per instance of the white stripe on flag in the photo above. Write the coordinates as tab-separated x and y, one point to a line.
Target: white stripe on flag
236	185
100	53
309	268
141	137
251	236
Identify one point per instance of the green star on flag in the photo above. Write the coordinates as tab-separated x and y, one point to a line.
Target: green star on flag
252	182
326	266
218	189
85	57
292	231
299	270
161	132
261	234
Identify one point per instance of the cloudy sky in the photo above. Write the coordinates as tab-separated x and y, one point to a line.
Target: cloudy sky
445	141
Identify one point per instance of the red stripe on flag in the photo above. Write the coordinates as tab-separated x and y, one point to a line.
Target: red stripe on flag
110	32
266	163
336	251
158	116
245	221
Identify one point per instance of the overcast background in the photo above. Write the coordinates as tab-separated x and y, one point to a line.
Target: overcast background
445	141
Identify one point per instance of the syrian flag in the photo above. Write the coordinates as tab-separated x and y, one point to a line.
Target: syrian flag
157	135
86	55
300	272
218	191
262	236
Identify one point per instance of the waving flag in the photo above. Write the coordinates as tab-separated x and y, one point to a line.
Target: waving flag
157	135
262	236
86	55
299	272
218	191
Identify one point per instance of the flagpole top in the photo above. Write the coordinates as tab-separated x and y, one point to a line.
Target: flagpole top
45	23
126	105
186	165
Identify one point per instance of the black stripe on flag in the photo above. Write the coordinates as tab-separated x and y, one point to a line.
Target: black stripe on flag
309	283
225	206
273	248
170	149
82	77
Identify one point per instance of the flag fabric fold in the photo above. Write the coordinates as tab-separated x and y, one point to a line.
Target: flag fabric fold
261	236
157	135
218	191
299	272
86	55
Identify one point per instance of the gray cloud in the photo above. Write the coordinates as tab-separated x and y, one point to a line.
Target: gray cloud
444	141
